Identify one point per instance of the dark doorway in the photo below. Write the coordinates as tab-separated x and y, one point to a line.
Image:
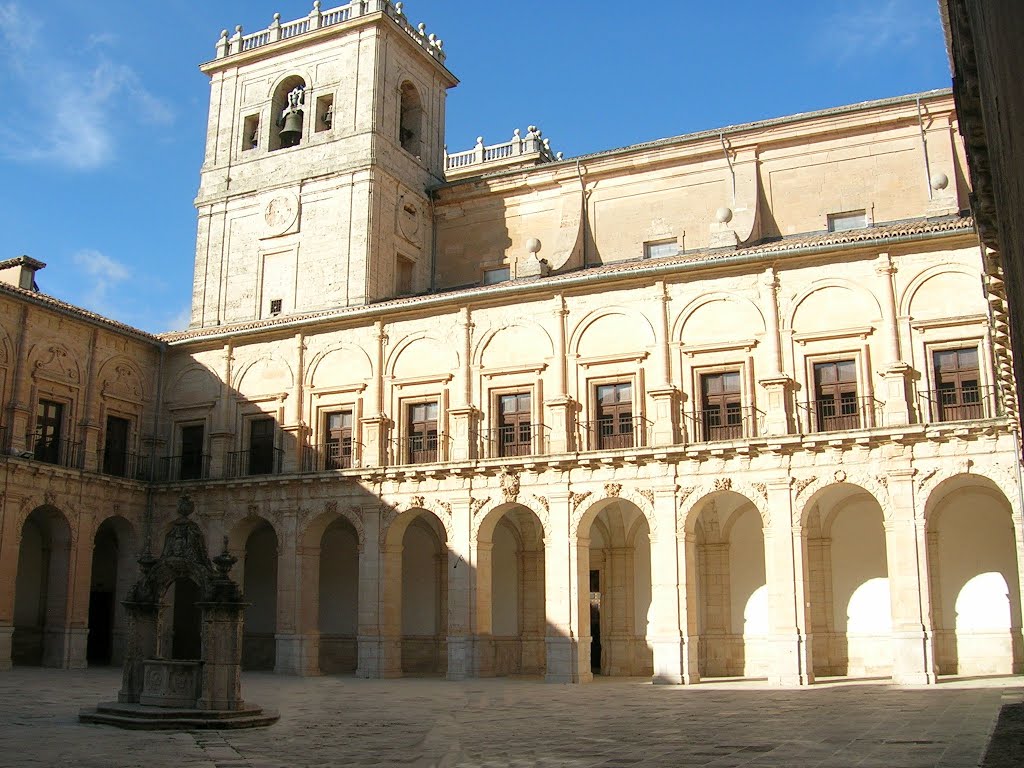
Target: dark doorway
595	621
115	447
187	644
100	646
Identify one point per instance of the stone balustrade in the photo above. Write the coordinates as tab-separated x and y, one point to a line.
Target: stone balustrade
533	146
321	19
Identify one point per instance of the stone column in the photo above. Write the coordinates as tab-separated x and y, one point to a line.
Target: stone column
390	659
483	629
19	417
460	592
776	384
789	642
376	426
909	595
561	407
664	394
10	546
298	648
89	434
567	662
464	417
368	638
76	630
222	436
294	429
663	632
686	548
896	372
142	632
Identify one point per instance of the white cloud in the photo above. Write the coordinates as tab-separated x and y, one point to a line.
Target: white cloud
181	319
103	274
867	27
80	103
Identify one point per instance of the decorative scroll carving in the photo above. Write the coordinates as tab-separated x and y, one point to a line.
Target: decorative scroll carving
925	477
543	501
447	507
57	366
125	385
575	499
685	493
475	505
331	507
761	488
723	484
839	476
418	501
648	494
509	486
613	489
802	484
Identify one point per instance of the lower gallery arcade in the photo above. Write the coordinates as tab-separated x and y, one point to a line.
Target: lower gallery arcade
908	575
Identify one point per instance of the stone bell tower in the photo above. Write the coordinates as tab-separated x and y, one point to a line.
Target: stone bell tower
323	135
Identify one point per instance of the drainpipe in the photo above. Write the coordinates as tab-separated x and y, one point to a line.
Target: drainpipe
924	149
581	171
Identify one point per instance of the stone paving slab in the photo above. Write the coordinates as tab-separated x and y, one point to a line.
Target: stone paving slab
338	721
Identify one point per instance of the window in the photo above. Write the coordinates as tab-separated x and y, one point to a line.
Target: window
957	385
515	432
338	447
288	112
115	447
411	119
840	222
324	113
251	133
403	276
261	447
836	405
275	306
661	248
49	421
192	460
499	275
614	416
721	415
422	433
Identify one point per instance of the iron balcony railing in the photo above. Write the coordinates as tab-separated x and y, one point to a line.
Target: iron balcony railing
132	466
253	463
615	433
419	449
960	404
731	422
330	456
840	414
190	466
515	440
62	453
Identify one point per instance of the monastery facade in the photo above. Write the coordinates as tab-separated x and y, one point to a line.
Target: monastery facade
737	403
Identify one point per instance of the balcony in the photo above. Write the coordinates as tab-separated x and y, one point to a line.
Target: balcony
967	403
191	466
515	440
131	466
329	457
610	434
715	424
254	463
838	415
419	449
61	453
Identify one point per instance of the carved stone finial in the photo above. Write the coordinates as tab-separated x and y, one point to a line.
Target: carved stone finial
186	506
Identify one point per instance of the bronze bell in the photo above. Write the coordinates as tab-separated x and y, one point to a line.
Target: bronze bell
291	133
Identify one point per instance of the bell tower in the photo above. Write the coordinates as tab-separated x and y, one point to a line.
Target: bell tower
323	136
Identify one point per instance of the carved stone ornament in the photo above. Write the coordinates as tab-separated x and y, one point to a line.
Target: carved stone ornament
802	484
685	493
280	214
613	489
761	488
723	484
446	506
125	384
56	366
476	505
509	486
648	494
839	476
418	501
575	499
331	507
543	501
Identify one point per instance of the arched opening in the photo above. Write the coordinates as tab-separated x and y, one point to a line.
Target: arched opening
288	113
731	587
182	633
974	578
424	598
511	619
255	544
848	582
410	127
618	562
112	574
338	605
41	590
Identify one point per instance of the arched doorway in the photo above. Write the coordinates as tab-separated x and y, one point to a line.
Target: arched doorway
731	587
511	619
254	542
41	590
338	591
848	583
112	574
615	544
974	579
181	630
414	619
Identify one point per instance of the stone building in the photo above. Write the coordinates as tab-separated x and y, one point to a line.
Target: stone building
725	404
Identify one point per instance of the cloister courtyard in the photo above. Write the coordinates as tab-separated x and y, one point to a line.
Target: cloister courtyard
344	721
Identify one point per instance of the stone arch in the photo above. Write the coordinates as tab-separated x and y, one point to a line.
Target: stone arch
826	285
493	340
54	361
931	481
265	375
641	338
256	541
973	552
488	513
702	304
808	490
196	379
906	299
317	522
278	95
121	377
755	493
326	364
589	506
399	513
115	550
410	118
445	358
42	587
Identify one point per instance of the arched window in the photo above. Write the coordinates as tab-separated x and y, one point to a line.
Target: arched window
288	113
410	128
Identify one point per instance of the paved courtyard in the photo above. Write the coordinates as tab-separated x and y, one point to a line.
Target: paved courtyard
426	722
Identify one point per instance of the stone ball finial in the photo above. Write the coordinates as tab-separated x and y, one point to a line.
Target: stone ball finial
723	215
238	29
316	5
515	132
422	29
940	181
223	34
531	129
559	155
439	43
399	7
533	245
277	17
479	139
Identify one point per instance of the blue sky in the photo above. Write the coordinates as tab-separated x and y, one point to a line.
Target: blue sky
103	113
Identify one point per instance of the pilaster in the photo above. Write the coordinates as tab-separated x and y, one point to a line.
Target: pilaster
463	423
368	638
664	632
460	592
567	661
